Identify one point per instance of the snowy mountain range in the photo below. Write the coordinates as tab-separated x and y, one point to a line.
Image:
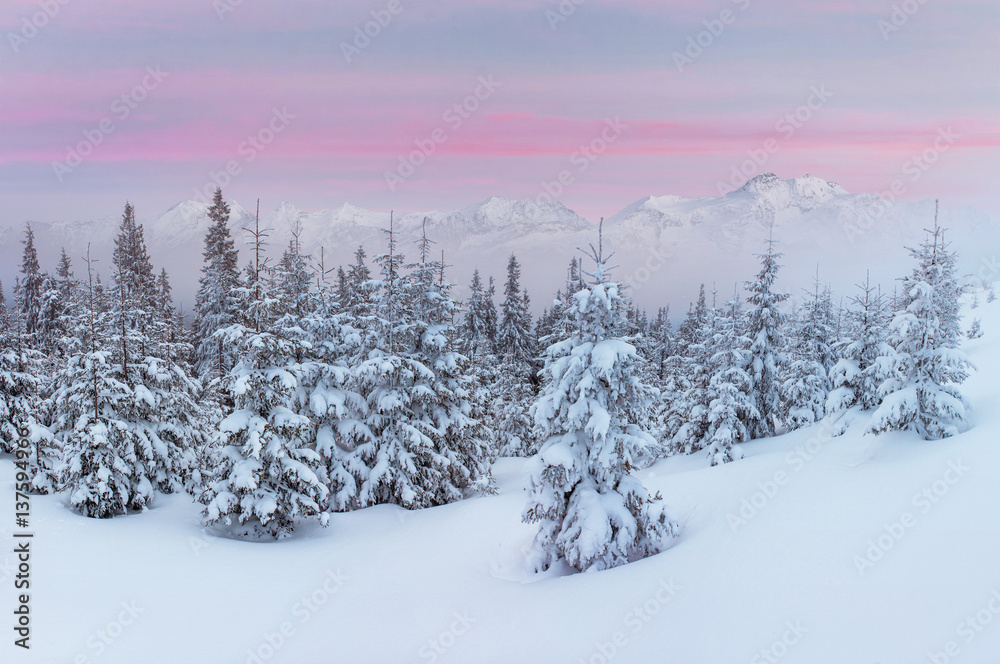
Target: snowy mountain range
666	245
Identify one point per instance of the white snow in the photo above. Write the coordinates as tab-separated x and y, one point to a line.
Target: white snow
853	549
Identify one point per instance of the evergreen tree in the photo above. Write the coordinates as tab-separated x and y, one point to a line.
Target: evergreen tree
767	359
398	462
514	341
514	387
866	361
491	324
327	397
5	327
22	410
270	472
690	408
730	407
215	305
474	325
29	291
293	278
921	393
805	390
592	513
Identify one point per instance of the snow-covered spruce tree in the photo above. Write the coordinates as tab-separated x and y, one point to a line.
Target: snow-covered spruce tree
215	304
682	406
100	465
921	394
293	278
690	408
163	409
455	417
327	397
730	406
22	376
661	346
805	390
5	317
127	417
975	329
135	291
478	341
514	341
475	332
767	357
399	462
691	328
359	288
71	325
867	360
28	291
269	476
515	387
592	513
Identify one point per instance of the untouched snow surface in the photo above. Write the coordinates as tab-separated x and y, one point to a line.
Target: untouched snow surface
853	550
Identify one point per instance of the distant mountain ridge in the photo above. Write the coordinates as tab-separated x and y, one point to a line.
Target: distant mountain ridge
666	244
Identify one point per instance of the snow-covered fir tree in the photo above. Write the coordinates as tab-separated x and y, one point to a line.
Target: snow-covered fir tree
29	288
730	405
22	386
807	385
867	360
514	340
127	418
269	477
767	358
592	513
514	389
215	304
293	278
921	393
689	409
327	397
420	443
478	329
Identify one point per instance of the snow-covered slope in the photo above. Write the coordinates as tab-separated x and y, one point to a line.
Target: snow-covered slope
810	550
664	244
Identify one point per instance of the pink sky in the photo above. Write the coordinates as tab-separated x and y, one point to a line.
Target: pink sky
556	81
